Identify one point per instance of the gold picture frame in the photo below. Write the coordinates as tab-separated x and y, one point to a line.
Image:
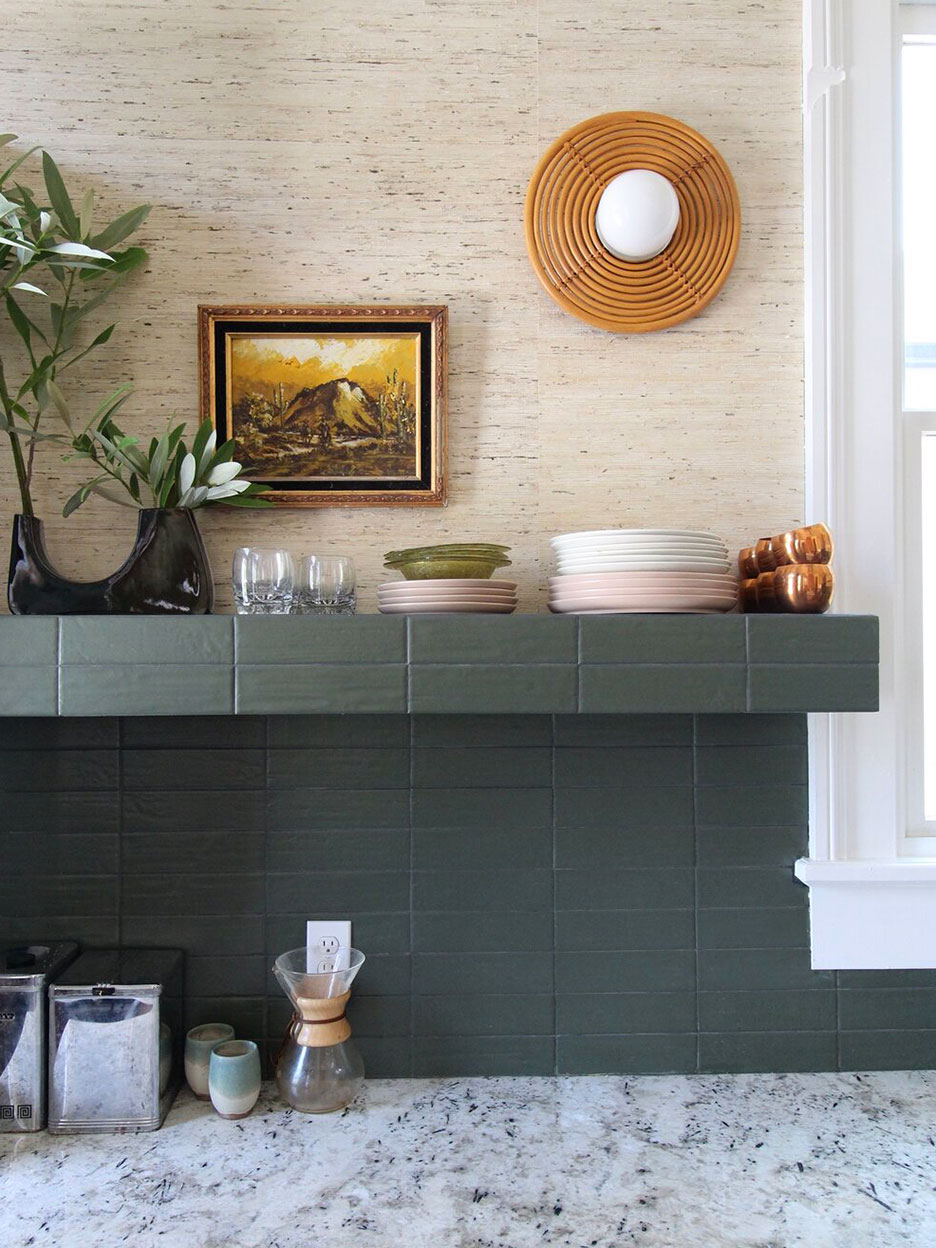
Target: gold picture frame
330	405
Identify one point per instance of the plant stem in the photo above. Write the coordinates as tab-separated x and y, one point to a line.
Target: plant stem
21	474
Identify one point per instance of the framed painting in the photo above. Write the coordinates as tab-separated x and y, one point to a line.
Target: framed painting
330	406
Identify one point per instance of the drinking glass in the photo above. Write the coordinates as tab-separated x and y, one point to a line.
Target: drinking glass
326	585
263	580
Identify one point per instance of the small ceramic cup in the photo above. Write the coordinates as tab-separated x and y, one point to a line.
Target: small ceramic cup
198	1045
234	1077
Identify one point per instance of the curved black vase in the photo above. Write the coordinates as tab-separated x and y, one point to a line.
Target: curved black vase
167	573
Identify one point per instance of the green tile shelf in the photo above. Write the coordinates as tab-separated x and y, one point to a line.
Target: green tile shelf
506	665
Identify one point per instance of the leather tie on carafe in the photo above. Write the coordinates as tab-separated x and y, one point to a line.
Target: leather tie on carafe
320	1021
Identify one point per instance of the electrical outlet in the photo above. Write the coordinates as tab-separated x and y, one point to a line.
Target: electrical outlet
327	944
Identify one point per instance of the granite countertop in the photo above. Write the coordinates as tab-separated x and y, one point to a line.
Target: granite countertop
750	1161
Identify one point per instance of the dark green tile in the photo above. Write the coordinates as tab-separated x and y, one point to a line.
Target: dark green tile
61	812
451	849
337	731
486	930
591	731
812	638
154	689
478	1014
28	691
637	888
386	1057
625	929
657	807
480	767
471	808
192	732
649	970
624	847
493	639
605	767
726	969
192	894
806	1010
59	853
101	931
56	771
751	847
662	639
813	687
331	810
478	690
379	1016
384	976
749	765
28	641
384	849
477	1056
747	730
43	897
499	889
616	1013
887	1050
299	639
233	935
887	979
890	1009
197	849
752	805
320	688
485	973
193	769
375	934
147	639
245	1014
234	976
345	768
59	734
487	731
627	1055
155	813
337	892
754	929
744	887
674	688
767	1051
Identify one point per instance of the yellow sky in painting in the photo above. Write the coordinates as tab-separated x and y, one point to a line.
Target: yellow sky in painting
257	364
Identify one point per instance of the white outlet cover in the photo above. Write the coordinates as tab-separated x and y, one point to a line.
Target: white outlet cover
328	942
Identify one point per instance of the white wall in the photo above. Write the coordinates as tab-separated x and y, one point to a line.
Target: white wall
342	150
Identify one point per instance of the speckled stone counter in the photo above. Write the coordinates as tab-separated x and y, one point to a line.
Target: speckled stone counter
750	1161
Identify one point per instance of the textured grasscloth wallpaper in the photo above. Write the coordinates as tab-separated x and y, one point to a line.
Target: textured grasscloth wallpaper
345	151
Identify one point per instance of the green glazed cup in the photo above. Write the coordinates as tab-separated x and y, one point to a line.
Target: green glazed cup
234	1077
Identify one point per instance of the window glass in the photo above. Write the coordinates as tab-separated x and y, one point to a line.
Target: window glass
918	109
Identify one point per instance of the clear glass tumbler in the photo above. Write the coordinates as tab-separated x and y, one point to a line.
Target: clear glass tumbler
326	585
263	580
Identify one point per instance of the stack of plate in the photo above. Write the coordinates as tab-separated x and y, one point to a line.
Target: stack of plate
472	596
642	570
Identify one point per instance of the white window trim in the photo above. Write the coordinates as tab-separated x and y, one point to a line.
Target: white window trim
872	888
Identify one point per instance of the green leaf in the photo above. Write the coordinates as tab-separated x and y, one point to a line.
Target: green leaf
86	213
20	321
79	497
58	196
202	434
158	461
120	229
11	169
6	138
242	500
221	456
59	400
101	338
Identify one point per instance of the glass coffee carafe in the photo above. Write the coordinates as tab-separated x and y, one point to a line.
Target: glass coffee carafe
319	1068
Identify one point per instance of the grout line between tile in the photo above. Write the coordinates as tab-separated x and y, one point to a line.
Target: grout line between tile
695	888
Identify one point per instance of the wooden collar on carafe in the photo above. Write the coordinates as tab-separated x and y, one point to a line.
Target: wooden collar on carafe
320	1021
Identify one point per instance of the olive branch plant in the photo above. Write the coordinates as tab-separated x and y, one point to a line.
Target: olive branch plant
56	244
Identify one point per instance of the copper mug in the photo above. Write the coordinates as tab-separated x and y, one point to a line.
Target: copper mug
812	544
799	589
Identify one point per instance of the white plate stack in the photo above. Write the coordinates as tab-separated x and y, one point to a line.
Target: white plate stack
642	571
437	597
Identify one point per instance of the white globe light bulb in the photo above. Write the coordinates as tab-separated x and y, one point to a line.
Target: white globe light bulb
637	216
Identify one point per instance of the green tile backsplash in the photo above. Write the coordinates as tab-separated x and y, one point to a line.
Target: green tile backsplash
535	893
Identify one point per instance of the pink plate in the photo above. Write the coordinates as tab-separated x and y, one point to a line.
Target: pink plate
643	580
494	595
450	583
645	602
450	608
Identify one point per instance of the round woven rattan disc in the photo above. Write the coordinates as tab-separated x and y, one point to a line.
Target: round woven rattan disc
569	258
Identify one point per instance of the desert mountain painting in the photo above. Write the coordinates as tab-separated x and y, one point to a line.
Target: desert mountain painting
342	407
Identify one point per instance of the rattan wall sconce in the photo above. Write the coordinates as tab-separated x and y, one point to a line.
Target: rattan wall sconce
632	221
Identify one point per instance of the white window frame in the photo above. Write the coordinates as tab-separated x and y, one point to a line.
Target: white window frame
872	886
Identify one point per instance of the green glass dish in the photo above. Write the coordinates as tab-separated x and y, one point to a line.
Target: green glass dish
482	550
452	568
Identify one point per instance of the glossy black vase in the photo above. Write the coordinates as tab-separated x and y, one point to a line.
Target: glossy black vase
167	573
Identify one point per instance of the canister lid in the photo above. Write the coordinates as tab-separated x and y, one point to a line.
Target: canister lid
22	963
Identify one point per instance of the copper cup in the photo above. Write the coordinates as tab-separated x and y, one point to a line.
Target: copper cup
805	589
809	545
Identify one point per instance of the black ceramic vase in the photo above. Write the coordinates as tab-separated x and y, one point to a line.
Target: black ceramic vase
167	573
